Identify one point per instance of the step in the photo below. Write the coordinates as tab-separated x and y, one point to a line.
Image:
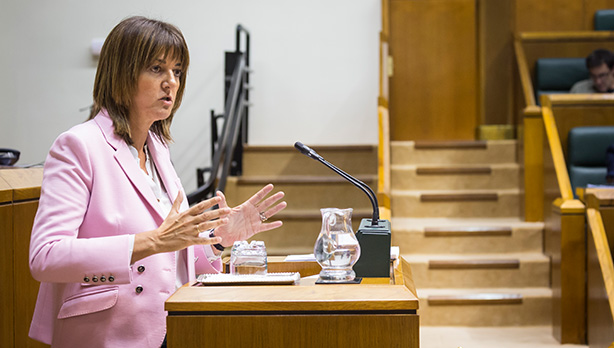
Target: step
491	152
456	203
466	236
485	307
304	192
539	336
300	231
454	177
511	270
286	160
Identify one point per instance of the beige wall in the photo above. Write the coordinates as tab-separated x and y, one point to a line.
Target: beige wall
315	70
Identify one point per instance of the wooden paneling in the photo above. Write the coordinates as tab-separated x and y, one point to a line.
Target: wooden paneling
340	330
600	301
6	270
26	287
590	6
374	314
433	91
549	15
18	286
496	61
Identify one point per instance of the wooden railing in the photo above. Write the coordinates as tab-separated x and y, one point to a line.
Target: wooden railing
600	281
383	150
529	47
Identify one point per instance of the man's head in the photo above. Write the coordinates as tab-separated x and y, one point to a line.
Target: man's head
600	65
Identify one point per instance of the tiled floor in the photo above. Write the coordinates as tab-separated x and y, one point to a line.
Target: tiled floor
489	337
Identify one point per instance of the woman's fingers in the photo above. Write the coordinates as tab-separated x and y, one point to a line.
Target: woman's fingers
276	209
176	204
270	225
267	203
260	194
197	209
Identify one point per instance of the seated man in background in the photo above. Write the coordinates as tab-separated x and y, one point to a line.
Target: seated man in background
600	64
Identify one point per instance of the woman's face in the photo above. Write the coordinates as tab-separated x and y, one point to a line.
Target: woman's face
156	91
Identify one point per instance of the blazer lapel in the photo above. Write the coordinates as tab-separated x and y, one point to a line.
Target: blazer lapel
160	156
126	161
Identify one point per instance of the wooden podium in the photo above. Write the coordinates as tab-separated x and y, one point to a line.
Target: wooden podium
376	313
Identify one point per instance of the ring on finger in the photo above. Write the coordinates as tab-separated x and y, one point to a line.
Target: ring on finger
197	228
263	217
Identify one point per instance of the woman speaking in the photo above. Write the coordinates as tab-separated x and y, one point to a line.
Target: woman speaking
114	236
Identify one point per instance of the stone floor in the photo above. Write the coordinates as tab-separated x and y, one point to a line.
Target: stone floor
489	337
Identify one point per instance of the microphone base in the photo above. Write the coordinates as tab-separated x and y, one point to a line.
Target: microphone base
374	261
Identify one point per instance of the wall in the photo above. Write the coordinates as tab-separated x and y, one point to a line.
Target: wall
315	70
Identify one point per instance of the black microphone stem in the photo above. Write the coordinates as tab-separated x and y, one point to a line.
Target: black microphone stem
361	185
307	151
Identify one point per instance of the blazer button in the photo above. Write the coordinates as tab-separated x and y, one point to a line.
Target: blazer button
141	269
95	279
139	289
111	278
103	279
86	279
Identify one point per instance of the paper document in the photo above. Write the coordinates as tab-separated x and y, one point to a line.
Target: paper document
301	257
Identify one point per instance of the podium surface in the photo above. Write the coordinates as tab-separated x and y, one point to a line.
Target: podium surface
375	313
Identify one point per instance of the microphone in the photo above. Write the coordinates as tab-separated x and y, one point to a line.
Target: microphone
309	152
373	234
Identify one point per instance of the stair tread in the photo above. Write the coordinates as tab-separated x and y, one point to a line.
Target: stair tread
400	223
455	166
411	142
522	257
290	148
525	292
418	193
298	179
315	213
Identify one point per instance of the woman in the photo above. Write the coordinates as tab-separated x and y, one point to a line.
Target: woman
113	236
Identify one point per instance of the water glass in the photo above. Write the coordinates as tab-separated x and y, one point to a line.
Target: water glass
248	258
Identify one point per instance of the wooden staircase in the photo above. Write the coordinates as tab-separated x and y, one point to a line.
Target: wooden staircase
456	217
309	186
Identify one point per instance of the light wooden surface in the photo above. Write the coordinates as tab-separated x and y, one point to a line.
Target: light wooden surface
556	149
306	315
19	289
565	112
6	268
565	243
496	59
433	92
600	284
549	15
383	158
533	154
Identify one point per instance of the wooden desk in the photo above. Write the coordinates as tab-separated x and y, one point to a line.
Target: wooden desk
19	194
377	314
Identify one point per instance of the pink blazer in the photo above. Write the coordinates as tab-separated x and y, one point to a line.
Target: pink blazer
93	196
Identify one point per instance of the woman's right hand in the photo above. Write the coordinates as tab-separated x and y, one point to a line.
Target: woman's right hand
181	229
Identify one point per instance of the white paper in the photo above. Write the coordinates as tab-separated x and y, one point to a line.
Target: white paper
301	257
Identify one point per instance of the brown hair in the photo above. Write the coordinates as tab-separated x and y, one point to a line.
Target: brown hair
130	48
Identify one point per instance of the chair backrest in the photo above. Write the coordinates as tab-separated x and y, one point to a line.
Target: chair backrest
604	19
586	152
558	75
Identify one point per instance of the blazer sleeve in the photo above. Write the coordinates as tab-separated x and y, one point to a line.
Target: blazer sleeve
57	254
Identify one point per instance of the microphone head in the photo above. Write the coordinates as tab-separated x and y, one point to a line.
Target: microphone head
306	150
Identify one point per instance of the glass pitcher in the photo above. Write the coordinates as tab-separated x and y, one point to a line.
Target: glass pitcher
337	248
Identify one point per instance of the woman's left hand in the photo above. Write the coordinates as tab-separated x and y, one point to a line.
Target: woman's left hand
249	218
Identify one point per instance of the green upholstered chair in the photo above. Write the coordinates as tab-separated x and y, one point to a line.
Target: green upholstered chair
558	75
604	19
586	155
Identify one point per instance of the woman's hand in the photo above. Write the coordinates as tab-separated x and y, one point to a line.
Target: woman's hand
180	230
249	218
